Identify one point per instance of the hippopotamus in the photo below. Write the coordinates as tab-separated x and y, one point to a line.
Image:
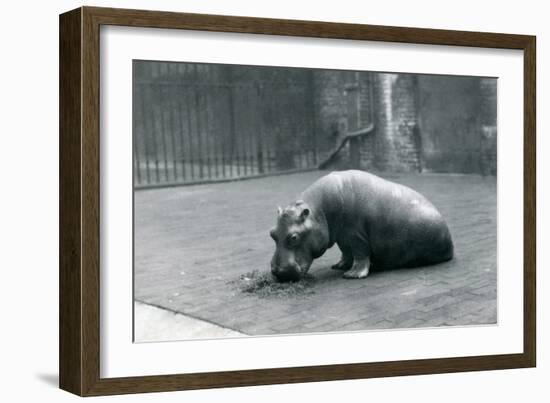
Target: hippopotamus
375	223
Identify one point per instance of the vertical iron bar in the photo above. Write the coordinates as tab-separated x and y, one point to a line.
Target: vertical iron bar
156	71
136	134
179	110
215	132
253	134
268	128
247	135
313	115
238	134
206	131
223	139
171	118
237	141
309	131
198	125
146	131
154	132
259	128
162	127
207	127
219	130
252	129
191	150
232	127
243	131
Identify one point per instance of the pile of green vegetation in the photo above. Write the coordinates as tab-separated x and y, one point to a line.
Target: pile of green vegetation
264	285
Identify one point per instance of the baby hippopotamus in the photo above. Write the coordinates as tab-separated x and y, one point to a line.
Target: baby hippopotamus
373	221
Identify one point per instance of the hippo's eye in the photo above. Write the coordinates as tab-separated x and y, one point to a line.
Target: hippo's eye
273	235
293	239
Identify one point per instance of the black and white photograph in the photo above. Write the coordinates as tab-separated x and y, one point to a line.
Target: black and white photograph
241	202
282	200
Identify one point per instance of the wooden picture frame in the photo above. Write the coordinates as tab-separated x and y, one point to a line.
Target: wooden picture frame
79	346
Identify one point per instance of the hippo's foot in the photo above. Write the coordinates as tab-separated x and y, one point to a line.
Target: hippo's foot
360	269
342	265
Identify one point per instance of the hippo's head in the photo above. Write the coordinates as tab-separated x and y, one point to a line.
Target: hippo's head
299	238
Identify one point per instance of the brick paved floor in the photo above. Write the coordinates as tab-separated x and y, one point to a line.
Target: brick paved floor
191	242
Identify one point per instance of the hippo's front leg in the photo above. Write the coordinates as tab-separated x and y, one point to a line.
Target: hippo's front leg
346	261
360	250
360	269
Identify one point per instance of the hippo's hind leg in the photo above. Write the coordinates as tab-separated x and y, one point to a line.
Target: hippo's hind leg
361	258
346	261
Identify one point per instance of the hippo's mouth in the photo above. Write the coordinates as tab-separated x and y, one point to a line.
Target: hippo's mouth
290	275
287	275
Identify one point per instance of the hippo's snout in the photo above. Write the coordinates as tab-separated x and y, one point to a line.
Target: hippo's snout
285	274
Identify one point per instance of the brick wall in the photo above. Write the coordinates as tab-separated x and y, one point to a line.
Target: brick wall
457	116
423	122
488	117
396	143
366	99
332	113
330	110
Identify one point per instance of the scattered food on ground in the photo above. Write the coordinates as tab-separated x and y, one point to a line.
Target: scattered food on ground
264	285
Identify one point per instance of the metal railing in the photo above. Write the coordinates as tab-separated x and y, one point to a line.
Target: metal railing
187	132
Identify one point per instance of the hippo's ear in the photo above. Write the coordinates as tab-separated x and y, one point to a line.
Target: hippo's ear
279	211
